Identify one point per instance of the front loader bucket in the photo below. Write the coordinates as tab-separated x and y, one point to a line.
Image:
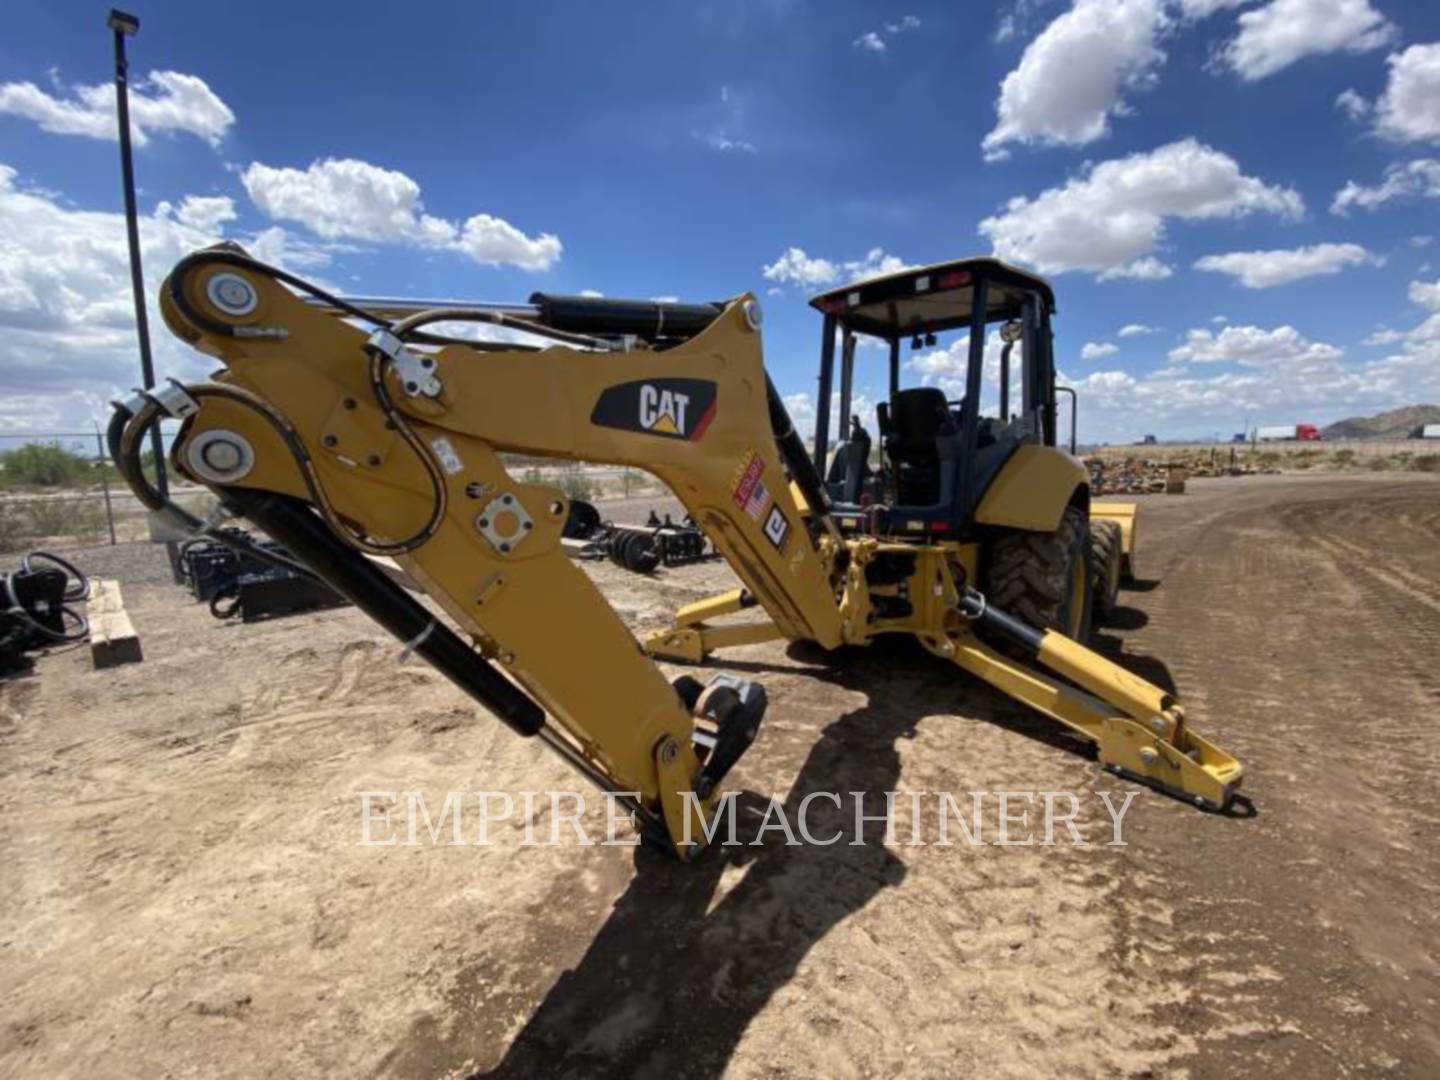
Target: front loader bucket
1123	514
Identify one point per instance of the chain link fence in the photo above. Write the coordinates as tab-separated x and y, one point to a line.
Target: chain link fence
58	490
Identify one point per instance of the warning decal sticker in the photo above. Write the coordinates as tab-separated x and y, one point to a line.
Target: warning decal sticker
750	494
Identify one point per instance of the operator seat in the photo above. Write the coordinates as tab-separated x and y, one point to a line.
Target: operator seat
922	440
850	467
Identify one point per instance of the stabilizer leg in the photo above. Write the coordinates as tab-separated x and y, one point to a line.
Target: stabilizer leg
1139	730
690	640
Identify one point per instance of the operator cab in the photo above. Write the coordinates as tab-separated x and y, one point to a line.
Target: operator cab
938	453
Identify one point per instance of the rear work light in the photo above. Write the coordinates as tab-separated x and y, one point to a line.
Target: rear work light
954	279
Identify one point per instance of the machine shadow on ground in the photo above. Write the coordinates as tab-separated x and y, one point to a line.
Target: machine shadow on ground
673	978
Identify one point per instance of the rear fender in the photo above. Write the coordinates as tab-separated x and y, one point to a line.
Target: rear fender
1032	490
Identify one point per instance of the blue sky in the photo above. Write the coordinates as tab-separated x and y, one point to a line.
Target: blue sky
1176	163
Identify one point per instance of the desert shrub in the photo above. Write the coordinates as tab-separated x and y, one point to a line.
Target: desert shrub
44	465
1425	463
1343	458
12	527
575	483
25	523
80	518
1380	464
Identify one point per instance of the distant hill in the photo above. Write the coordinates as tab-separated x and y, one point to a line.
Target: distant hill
1395	424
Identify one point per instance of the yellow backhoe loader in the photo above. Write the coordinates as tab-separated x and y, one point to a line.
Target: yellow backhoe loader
357	432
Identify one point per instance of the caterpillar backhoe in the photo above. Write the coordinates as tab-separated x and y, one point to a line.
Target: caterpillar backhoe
362	435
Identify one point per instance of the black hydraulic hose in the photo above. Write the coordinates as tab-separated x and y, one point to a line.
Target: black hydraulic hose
802	469
16	610
125	449
290	522
114	442
231	255
78	586
407	329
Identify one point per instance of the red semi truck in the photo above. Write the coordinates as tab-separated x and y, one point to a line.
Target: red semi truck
1288	433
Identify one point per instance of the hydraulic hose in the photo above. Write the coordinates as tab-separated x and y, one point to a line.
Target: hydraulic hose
77	586
406	328
124	446
802	469
231	255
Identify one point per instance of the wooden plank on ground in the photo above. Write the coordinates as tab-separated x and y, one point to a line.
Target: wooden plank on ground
112	636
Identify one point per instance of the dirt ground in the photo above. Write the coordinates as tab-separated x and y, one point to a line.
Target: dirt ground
184	894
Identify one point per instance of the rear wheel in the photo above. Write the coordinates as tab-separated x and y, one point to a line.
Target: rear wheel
1105	559
1044	578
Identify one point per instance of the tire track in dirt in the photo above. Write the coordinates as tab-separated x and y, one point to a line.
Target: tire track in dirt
1311	625
222	920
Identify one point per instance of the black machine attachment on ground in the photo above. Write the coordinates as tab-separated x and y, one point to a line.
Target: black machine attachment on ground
639	548
35	611
236	584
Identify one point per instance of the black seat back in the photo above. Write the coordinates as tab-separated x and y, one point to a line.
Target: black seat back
850	467
919	415
920	438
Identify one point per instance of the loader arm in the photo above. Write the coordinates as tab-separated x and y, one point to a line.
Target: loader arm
343	432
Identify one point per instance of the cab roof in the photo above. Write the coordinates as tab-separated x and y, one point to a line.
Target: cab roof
924	299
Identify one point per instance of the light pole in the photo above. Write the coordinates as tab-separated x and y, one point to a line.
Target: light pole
125	25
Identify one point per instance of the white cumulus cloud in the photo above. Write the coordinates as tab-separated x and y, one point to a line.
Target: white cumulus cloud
1253	346
1427	295
1199	9
204	212
1072	78
1409	110
1097	350
1134	330
1408	180
346	199
67	316
1273	37
1266	269
1146	269
163	101
795	267
1352	105
874	40
1110	220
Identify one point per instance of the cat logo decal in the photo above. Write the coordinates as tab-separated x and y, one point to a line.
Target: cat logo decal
672	408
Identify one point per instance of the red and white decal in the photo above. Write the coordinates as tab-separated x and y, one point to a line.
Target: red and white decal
750	494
